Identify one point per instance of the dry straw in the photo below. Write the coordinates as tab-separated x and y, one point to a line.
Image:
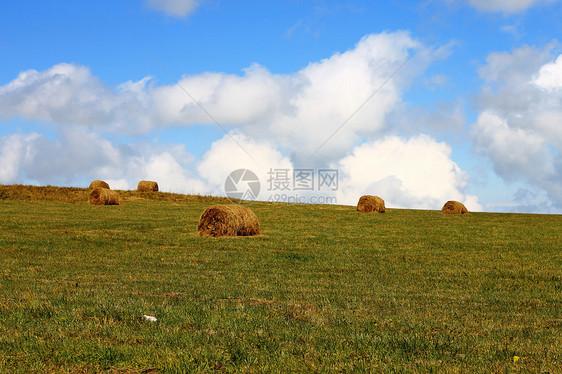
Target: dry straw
147	186
454	207
98	183
228	220
104	196
370	203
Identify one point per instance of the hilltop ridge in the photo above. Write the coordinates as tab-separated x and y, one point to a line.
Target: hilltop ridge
76	194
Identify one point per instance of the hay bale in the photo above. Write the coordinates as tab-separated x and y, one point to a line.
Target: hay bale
98	183
147	186
228	220
370	203
104	196
454	207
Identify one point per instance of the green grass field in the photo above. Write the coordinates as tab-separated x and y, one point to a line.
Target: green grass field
323	289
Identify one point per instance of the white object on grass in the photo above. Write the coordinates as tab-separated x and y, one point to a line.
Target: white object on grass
149	318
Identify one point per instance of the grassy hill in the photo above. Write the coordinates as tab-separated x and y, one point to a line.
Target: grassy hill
324	288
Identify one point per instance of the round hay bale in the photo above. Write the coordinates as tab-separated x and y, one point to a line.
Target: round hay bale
454	207
228	220
98	183
147	186
370	203
104	196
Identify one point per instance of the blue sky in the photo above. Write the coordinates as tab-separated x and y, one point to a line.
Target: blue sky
465	97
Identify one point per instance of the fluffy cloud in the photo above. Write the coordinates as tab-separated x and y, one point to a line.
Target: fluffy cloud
77	157
70	94
246	100
171	165
298	110
519	125
506	6
14	150
414	173
237	151
513	151
279	121
177	8
550	75
330	91
35	158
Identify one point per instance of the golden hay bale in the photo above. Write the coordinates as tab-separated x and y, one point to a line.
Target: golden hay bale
147	186
97	183
454	207
104	196
228	220
370	203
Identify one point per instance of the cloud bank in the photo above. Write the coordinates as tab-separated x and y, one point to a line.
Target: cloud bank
518	128
297	110
77	157
416	172
274	121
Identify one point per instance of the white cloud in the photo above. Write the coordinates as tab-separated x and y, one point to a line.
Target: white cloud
518	128
331	90
413	173
177	8
77	157
170	165
33	158
513	151
300	110
506	6
278	119
14	150
70	94
230	99
514	66
237	151
550	75
297	110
